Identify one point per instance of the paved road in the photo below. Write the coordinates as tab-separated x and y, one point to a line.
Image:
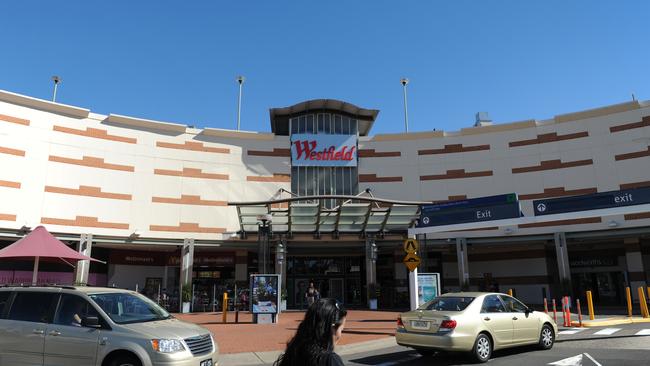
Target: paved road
620	345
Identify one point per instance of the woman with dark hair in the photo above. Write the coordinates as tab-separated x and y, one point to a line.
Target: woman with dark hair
318	333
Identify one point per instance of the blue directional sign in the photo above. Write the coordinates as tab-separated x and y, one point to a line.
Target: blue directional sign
505	206
625	197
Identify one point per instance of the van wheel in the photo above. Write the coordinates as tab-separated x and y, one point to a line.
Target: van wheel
125	360
546	337
482	348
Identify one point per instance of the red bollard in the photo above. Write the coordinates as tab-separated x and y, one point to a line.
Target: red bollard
579	312
554	312
567	312
545	306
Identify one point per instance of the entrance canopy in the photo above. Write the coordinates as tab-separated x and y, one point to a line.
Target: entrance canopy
308	214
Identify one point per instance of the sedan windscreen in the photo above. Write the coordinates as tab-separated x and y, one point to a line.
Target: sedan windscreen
125	308
447	304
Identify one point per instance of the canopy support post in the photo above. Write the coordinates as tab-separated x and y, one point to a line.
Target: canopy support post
35	274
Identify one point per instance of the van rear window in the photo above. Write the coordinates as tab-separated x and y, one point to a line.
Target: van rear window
4	298
447	303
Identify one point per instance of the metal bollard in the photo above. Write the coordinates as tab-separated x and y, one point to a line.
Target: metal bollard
554	312
567	312
579	313
628	295
224	317
642	303
590	305
545	306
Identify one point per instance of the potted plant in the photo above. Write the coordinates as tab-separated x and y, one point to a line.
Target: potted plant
186	297
373	294
283	300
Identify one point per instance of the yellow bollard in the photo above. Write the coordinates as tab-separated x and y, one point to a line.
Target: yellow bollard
590	305
642	303
629	301
510	291
225	307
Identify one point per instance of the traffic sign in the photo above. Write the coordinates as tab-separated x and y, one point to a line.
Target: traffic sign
411	261
411	245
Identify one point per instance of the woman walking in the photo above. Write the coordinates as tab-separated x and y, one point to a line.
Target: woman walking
318	333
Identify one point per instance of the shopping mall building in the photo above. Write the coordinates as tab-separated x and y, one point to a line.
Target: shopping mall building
322	199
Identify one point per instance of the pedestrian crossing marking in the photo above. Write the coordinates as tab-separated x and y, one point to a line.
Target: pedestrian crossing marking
643	332
607	331
571	331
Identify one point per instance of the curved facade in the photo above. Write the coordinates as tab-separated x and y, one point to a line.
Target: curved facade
135	183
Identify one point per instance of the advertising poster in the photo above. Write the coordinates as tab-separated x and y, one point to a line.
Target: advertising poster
265	293
428	286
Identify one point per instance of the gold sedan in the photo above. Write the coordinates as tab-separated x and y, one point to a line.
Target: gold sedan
476	322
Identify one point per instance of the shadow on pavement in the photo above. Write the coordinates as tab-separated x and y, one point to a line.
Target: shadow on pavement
594	338
412	357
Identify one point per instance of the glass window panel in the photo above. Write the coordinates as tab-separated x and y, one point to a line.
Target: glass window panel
328	118
33	306
321	125
353	126
309	124
294	125
72	309
338	126
340	186
345	128
302	124
336	120
4	299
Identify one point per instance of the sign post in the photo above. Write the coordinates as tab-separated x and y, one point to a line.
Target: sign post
412	261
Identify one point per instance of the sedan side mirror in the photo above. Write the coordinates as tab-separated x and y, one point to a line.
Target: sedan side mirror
90	322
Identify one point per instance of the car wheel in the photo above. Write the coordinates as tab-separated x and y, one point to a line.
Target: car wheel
546	337
126	360
482	348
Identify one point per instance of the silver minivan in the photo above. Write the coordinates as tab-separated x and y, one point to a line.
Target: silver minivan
75	326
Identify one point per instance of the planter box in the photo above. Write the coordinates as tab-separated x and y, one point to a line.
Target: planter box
283	305
186	307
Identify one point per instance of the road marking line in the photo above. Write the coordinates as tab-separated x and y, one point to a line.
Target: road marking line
592	359
607	331
643	332
571	331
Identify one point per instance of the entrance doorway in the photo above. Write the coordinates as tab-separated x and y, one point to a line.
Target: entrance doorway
606	287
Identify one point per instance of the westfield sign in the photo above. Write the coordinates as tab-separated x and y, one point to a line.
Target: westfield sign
323	150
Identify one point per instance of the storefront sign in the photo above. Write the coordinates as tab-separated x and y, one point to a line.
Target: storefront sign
138	258
205	259
594	262
428	287
626	197
323	150
505	206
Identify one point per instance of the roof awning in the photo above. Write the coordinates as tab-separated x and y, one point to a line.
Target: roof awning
308	214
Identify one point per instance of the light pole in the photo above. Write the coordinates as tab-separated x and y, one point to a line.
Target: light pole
56	81
240	80
264	230
404	82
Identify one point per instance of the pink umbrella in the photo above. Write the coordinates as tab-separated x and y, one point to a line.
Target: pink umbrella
41	244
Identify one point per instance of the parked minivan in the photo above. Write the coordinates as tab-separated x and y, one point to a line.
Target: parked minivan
74	326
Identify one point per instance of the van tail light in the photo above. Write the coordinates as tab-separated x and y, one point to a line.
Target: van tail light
400	324
447	325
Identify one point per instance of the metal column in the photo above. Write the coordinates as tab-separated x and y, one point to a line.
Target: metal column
564	270
83	267
463	265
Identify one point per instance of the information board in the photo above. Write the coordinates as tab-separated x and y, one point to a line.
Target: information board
428	287
265	293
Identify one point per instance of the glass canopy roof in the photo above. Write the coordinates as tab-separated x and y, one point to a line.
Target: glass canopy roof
354	214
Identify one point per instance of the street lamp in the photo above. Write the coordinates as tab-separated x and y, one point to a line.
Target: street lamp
404	82
56	81
240	80
264	230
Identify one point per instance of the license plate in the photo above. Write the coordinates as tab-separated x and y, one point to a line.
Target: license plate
419	324
206	363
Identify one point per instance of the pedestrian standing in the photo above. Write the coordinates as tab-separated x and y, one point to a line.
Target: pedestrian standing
311	294
318	333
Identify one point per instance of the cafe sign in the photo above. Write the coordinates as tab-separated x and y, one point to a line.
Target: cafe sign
323	150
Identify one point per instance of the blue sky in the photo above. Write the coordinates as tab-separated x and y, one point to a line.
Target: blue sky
177	61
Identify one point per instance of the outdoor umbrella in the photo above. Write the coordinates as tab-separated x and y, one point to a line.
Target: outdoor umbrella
41	244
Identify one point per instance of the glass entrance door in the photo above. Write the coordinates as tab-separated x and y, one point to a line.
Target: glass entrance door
336	289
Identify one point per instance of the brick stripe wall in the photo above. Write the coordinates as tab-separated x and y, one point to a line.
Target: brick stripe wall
95	133
10	151
645	122
188	227
191	173
589	220
276	152
633	155
92	162
276	177
548	137
8	184
193	146
637	216
558	192
88	191
84	221
368	178
371	153
453	148
552	164
635	185
10	119
188	200
7	217
457	174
